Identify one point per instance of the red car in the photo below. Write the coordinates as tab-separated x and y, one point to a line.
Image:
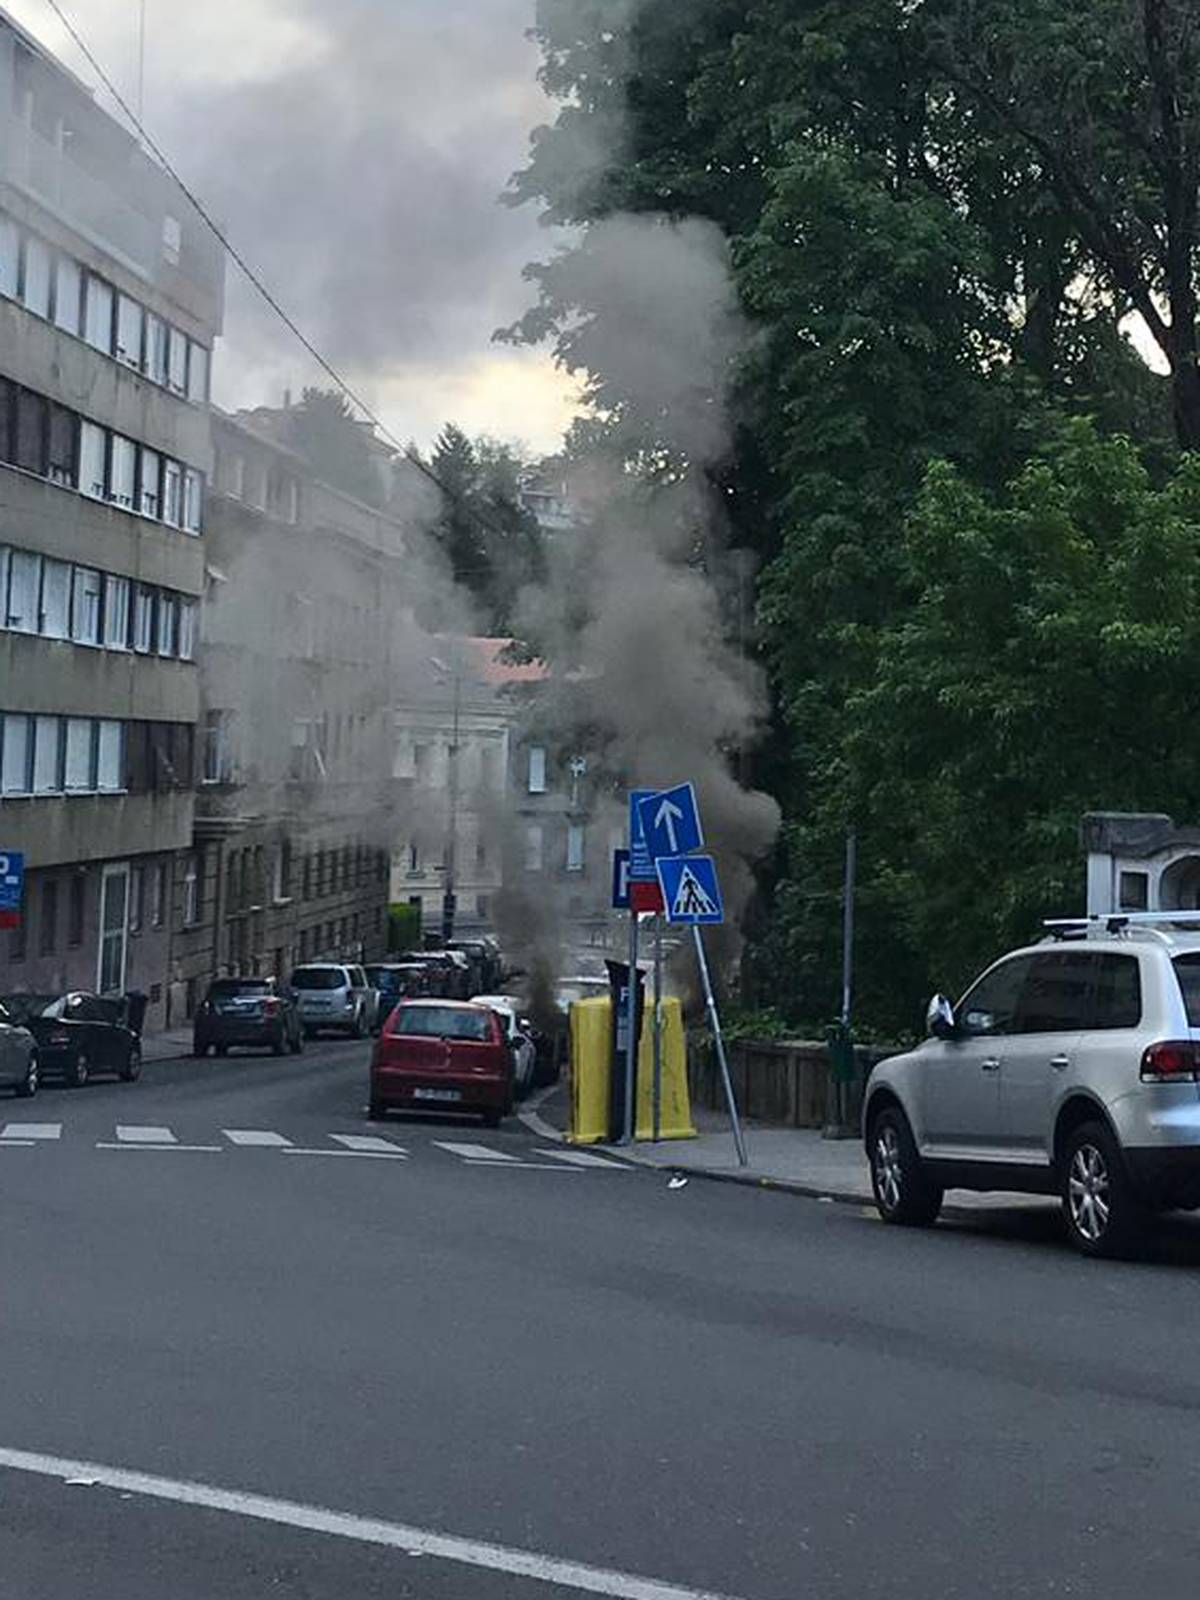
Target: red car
442	1055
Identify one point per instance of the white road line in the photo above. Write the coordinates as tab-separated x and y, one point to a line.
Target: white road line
513	1165
399	1536
18	1144
175	1149
583	1158
473	1152
31	1130
367	1141
256	1136
143	1133
350	1155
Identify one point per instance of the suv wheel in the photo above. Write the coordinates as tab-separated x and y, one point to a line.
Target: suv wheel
132	1070
1102	1216
903	1191
28	1085
79	1071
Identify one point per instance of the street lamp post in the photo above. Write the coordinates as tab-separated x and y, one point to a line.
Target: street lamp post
450	854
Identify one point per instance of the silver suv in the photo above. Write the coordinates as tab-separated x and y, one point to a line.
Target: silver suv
335	995
1071	1067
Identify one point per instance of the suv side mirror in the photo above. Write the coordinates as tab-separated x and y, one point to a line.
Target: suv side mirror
939	1018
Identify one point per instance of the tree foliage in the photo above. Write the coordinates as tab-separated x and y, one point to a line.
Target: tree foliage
962	477
322	428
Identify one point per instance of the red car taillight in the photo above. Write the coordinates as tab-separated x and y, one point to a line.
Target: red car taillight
270	1006
1172	1061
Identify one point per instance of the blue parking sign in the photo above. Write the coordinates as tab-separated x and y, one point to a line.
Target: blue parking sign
12	879
641	862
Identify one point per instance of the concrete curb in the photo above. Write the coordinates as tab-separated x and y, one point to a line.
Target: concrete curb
529	1115
753	1180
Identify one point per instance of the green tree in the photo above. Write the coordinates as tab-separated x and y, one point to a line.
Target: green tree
323	429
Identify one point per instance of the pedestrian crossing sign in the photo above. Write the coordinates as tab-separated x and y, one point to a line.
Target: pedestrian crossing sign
691	892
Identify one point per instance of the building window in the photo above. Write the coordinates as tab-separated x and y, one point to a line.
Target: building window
158	895
92	449
537	769
574	847
129	332
85	606
24	580
56	600
116	612
150	484
35	287
110	766
76	901
48	931
137	896
155	366
143	620
187	630
168	625
122	471
176	361
218	763
534	847
197	379
68	294
15	753
98	315
33	414
172	494
193	494
10	256
47	756
80	759
191	892
60	467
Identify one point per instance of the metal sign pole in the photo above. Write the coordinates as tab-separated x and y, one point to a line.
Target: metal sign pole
631	1039
715	1023
658	922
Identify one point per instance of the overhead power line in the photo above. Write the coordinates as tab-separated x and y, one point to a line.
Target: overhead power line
409	454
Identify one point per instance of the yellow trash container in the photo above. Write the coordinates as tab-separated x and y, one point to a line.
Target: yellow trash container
591	1065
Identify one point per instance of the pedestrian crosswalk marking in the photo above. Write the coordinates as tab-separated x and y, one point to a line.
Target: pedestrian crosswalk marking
582	1158
32	1130
474	1152
368	1143
143	1133
255	1136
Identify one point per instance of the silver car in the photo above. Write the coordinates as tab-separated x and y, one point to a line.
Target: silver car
1071	1067
18	1057
334	995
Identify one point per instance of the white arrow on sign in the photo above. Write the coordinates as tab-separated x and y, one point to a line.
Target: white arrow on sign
667	815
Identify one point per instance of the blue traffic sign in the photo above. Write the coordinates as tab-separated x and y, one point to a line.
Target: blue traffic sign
12	879
620	880
691	892
670	821
641	862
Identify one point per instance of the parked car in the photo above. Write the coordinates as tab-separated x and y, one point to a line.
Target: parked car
518	1034
247	1011
78	1035
449	972
334	996
442	1055
394	981
487	969
18	1056
1071	1067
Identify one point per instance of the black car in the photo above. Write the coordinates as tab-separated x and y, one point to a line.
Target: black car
247	1011
79	1036
395	981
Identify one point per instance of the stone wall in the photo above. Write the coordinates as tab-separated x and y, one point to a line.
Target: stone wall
786	1082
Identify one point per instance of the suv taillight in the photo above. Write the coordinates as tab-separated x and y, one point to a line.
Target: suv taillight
1172	1061
271	1005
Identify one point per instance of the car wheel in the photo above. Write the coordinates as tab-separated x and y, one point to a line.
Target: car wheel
132	1070
79	1071
376	1111
200	1049
1099	1206
28	1085
903	1191
221	1049
278	1046
360	1025
297	1042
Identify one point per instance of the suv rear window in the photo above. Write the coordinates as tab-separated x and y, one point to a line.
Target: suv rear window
319	978
229	986
441	1022
1117	1000
1187	970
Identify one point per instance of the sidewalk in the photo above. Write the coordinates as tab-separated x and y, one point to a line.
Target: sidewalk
798	1160
168	1045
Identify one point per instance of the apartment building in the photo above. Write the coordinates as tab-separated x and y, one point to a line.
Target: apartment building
302	651
111	297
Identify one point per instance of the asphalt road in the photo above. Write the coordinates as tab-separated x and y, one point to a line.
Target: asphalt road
714	1388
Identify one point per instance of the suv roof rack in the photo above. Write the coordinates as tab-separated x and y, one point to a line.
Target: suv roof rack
1115	922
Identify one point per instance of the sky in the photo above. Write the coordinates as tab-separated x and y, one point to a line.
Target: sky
355	154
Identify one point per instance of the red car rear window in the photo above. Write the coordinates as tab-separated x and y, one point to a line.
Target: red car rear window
442	1022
